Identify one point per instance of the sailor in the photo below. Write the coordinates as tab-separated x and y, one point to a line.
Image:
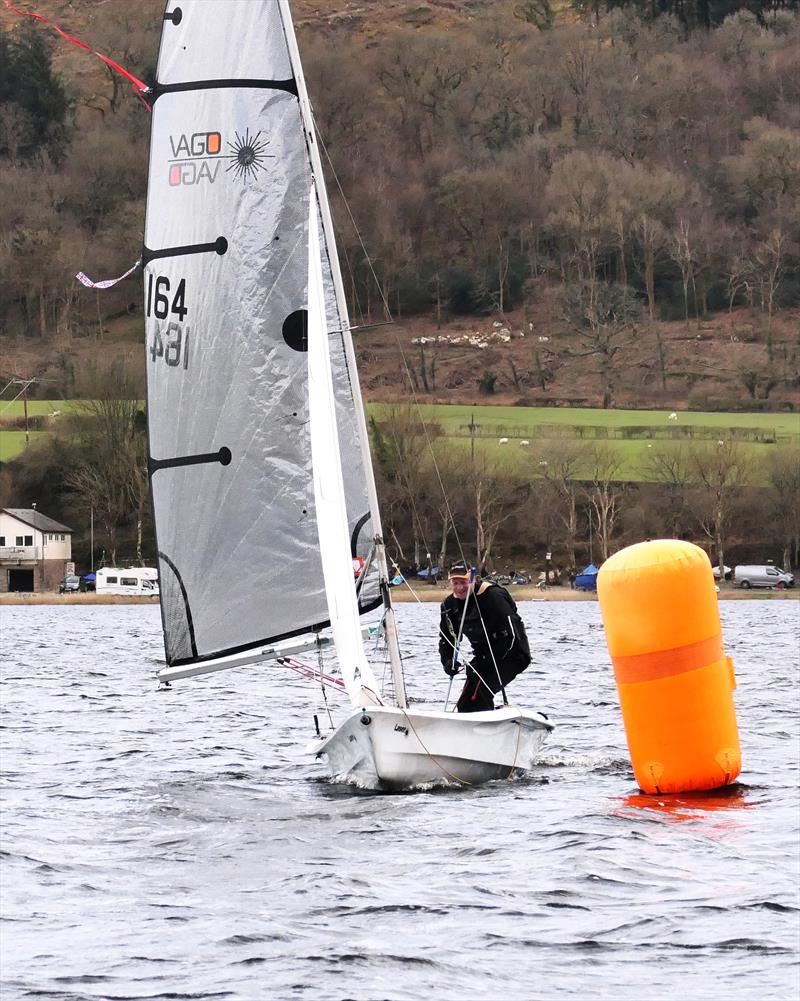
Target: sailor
486	614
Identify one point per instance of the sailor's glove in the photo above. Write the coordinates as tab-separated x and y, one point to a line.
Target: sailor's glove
450	668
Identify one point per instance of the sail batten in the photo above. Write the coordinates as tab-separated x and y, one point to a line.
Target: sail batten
226	307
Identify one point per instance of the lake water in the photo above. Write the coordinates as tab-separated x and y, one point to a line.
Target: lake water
182	845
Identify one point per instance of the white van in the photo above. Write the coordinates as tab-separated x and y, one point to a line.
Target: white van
133	581
762	576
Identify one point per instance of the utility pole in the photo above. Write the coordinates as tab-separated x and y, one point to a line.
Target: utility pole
16	380
473	427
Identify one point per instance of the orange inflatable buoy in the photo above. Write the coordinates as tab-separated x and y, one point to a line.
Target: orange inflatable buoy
675	684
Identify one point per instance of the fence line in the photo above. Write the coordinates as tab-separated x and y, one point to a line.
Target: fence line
626	433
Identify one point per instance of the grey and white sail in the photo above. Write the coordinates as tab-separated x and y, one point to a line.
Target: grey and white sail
226	298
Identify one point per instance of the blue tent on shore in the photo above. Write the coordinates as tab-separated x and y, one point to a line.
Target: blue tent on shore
587	579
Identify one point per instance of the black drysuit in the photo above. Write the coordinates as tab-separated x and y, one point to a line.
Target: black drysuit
493	627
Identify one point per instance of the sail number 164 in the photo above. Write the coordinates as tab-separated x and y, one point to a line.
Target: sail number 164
173	343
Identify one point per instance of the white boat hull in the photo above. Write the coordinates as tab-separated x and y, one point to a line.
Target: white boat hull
384	747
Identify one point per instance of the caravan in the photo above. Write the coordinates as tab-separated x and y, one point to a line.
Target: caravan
131	581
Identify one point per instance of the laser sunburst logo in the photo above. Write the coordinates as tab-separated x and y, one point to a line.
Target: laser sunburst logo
248	155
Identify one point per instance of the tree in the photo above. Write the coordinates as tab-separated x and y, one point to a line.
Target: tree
718	472
537	12
558	467
768	268
604	317
656	193
400	443
604	491
109	467
495	498
783	471
670	467
445	498
36	97
681	250
578	193
765	174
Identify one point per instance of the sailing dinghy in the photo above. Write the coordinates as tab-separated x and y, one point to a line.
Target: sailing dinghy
254	406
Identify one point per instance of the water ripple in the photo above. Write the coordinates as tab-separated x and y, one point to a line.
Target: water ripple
181	845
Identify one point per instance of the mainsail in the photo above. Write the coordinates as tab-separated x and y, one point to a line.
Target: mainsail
226	300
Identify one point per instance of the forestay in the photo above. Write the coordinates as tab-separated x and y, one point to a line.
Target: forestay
226	297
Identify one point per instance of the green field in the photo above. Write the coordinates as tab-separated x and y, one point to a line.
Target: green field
12	440
36	408
12	443
629	433
524	461
456	419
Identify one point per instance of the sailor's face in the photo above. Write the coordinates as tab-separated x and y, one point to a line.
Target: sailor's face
460	586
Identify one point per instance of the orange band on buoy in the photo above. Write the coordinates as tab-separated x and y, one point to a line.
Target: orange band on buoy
666	663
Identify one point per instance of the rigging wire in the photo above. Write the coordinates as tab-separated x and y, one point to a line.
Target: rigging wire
448	508
367	258
322	688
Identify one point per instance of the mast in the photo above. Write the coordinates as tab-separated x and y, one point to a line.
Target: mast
389	625
329	495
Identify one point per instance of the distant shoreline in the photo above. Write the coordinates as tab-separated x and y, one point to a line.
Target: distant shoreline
425	593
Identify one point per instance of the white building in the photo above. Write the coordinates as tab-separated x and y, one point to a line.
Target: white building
34	550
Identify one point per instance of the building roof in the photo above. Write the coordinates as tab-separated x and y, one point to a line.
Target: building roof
29	516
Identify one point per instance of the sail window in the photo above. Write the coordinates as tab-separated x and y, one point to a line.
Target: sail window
295	330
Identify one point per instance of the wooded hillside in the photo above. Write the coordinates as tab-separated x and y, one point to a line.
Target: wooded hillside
597	173
587	204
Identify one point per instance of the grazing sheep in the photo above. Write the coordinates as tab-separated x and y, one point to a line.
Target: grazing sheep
504	441
524	442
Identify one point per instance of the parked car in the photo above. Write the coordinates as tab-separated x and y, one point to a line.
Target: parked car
70	583
762	576
726	570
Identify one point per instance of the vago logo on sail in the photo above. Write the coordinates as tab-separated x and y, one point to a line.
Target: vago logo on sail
194	158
